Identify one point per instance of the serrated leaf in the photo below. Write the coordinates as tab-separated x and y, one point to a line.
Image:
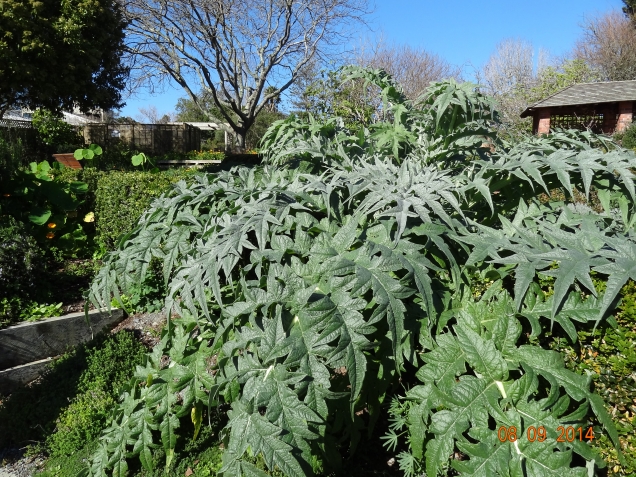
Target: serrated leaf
168	427
482	354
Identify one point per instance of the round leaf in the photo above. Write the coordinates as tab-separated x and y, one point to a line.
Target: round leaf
79	187
39	216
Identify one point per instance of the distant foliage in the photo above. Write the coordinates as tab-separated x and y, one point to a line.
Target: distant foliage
12	153
61	54
629	137
56	134
311	296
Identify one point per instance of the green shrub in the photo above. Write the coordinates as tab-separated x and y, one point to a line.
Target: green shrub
67	465
409	270
109	363
629	137
193	155
81	422
206	155
59	407
56	134
22	262
122	197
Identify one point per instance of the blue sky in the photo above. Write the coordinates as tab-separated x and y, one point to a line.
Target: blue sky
464	32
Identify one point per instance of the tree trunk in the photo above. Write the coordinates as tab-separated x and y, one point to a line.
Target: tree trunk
240	141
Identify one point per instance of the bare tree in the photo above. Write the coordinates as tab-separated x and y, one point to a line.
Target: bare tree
151	114
510	67
232	50
413	68
508	76
609	45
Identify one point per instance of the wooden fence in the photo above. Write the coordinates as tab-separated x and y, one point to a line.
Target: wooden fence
154	139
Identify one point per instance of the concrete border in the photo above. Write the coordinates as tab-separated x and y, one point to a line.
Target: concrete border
14	378
34	341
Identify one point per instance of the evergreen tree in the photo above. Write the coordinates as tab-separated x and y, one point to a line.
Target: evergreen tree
61	53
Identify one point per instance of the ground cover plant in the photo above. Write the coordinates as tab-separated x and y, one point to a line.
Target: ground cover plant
395	267
68	407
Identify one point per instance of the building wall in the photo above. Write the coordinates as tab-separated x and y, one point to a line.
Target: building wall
543	121
625	113
606	118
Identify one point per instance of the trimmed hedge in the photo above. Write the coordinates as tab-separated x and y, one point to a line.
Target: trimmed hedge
122	197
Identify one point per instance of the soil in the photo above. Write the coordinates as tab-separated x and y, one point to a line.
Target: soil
146	327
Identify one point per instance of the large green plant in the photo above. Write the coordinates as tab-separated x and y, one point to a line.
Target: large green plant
48	206
449	121
308	297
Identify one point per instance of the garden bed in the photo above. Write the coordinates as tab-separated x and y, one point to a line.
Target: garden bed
61	293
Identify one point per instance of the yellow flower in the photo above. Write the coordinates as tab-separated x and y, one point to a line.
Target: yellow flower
51	225
50	235
90	217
